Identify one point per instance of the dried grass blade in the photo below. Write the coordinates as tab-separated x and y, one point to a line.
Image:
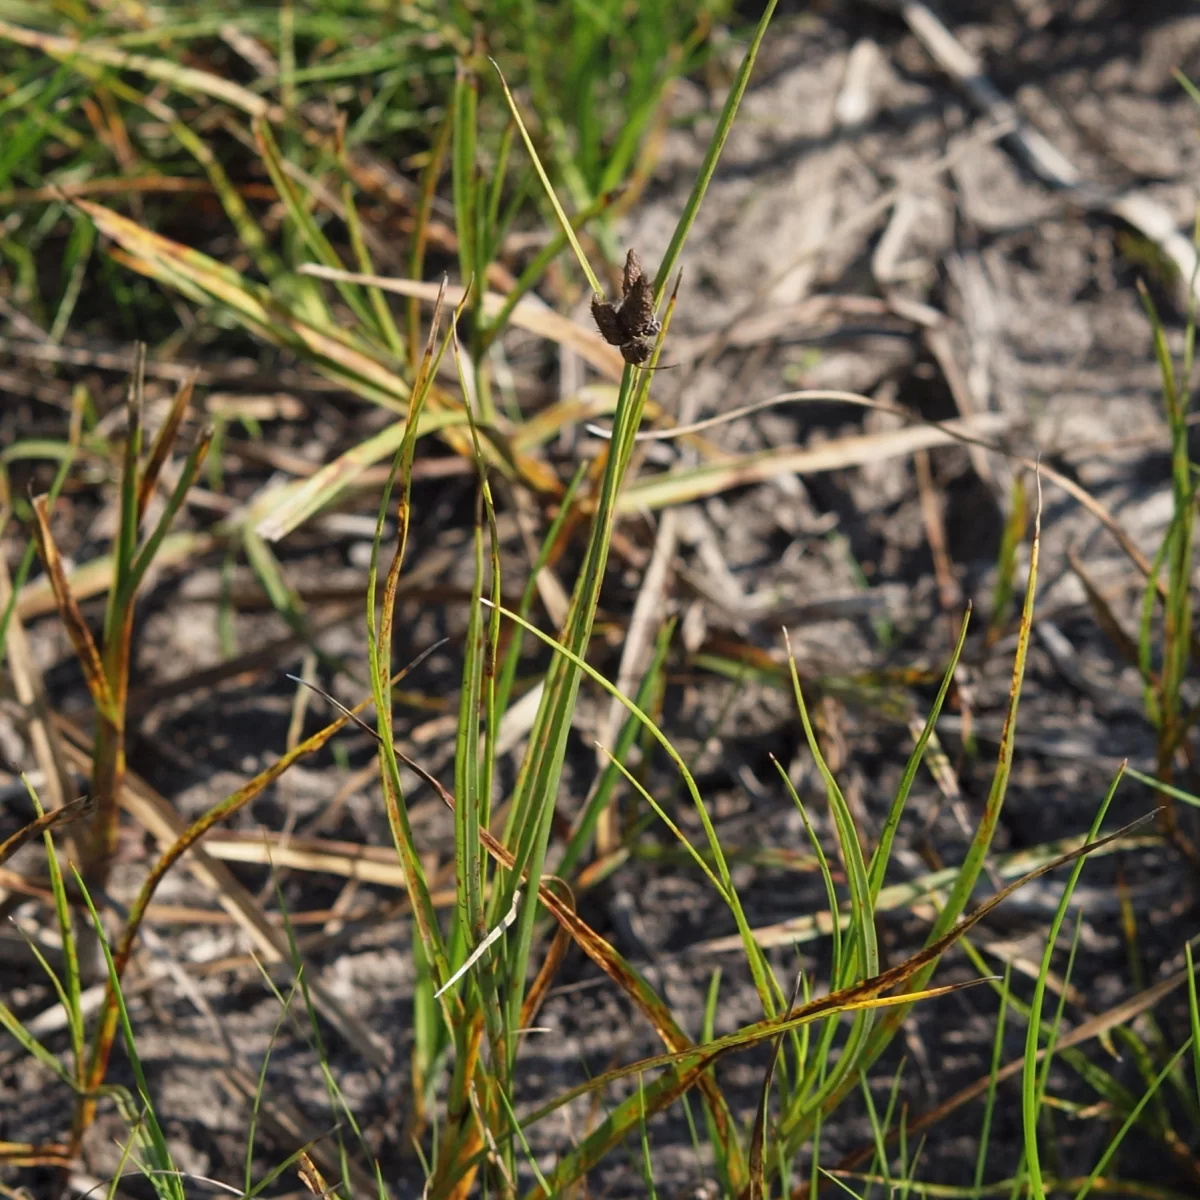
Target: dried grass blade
529	314
687	1070
709	479
1102	611
606	957
295	504
157	817
534	997
186	79
68	607
163	442
336	354
1093	1027
76	810
13	589
232	804
869	993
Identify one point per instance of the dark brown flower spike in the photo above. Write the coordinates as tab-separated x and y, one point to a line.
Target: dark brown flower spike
630	325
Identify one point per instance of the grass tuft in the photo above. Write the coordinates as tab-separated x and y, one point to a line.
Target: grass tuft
547	117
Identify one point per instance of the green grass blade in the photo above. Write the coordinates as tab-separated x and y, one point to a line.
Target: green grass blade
260	1089
863	954
145	556
973	863
989	1104
883	851
156	1143
705	174
836	969
644	1139
512	659
70	993
1193	1016
563	222
585	825
385	322
1030	1082
311	235
463	172
1135	1113
757	963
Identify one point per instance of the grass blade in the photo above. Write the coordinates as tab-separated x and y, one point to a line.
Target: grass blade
1030	1081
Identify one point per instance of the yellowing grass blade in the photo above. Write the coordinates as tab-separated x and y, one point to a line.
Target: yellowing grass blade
335	352
693	483
529	314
